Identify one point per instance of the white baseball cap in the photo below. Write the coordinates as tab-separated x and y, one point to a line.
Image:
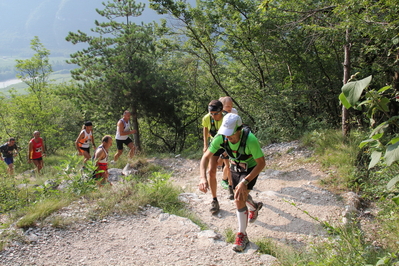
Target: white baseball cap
230	124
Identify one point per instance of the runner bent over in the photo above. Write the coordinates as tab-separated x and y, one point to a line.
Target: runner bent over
247	161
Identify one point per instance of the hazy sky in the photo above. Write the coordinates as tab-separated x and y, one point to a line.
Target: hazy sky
50	20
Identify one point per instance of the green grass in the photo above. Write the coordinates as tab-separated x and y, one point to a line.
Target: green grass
372	244
336	154
40	211
154	190
230	235
386	225
34	202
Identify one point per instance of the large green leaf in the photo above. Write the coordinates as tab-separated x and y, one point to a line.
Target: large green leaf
394	140
392	153
391	184
365	142
378	136
379	129
375	158
384	89
383	104
396	200
344	101
354	89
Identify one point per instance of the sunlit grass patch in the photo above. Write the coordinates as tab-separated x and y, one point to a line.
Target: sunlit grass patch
335	153
230	235
40	211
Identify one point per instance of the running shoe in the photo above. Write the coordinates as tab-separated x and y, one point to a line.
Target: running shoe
253	215
215	207
225	184
241	242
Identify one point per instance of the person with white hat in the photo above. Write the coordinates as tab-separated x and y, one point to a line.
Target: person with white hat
247	161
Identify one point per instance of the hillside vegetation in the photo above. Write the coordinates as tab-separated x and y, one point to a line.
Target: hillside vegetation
294	70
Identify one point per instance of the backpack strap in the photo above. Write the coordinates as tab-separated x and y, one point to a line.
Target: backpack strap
241	156
3	147
212	130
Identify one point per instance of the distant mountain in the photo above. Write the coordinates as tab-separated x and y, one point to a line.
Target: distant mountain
50	20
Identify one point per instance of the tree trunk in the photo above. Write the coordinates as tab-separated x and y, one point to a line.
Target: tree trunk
347	69
395	83
135	124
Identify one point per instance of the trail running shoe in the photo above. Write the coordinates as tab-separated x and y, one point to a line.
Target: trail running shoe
225	184
253	215
241	242
215	207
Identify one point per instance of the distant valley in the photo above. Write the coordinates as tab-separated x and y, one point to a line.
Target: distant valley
50	20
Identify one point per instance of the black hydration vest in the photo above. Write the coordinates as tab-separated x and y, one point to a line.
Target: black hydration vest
241	156
212	131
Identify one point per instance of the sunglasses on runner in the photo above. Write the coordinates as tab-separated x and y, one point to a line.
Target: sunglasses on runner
218	113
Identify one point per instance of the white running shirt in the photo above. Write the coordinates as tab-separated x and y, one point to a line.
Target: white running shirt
126	128
86	139
105	160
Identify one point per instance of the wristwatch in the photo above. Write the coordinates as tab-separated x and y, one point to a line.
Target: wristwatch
244	181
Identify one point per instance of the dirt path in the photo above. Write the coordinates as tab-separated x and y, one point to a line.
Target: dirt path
156	238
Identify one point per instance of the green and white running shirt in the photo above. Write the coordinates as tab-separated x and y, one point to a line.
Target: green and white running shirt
252	147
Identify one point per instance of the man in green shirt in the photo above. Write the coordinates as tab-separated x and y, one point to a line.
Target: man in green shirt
247	161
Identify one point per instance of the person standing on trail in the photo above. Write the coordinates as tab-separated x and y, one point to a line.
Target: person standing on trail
211	122
101	159
122	136
82	143
247	161
36	151
8	151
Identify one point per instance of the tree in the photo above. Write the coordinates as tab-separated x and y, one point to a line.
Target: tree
369	26
279	76
119	69
347	70
35	72
201	26
41	109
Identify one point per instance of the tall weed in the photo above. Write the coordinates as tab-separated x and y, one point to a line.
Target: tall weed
346	245
15	194
375	243
136	192
159	192
40	211
337	154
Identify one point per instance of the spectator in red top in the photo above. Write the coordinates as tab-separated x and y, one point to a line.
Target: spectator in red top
36	151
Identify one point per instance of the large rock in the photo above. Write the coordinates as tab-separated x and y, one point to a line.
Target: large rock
128	170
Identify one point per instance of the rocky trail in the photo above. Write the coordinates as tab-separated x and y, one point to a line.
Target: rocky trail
152	237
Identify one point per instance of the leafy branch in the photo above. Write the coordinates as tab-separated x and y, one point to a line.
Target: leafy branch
375	104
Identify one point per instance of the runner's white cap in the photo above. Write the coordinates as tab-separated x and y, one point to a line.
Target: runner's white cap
230	124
